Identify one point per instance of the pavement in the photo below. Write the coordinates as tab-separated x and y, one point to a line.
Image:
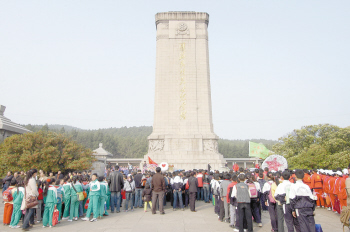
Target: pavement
204	220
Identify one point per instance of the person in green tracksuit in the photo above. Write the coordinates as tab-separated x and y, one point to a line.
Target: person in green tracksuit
50	194
74	201
60	196
67	193
17	202
103	196
108	203
94	195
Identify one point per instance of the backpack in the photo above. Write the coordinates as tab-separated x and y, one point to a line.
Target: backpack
7	195
345	216
143	182
252	190
271	199
187	186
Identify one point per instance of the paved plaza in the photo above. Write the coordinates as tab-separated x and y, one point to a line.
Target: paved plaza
203	220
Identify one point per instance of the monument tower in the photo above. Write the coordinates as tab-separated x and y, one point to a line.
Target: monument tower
183	133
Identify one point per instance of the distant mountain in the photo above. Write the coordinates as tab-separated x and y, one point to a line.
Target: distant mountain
131	142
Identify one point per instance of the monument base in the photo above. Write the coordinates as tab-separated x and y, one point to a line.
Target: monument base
188	160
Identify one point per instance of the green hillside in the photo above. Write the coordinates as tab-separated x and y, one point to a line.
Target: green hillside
131	142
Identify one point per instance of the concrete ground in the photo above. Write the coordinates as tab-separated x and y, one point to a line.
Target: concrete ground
203	220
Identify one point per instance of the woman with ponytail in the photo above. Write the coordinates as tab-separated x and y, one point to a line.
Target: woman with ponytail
50	200
30	190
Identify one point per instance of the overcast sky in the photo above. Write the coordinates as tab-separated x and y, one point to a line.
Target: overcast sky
275	65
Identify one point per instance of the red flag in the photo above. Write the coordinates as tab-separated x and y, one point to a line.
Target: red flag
150	161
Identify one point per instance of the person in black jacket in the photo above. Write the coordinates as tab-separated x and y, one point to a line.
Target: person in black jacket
193	185
138	189
6	181
116	184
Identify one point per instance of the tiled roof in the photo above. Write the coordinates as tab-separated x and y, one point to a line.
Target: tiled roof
7	124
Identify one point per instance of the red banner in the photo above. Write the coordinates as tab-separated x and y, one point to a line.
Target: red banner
150	161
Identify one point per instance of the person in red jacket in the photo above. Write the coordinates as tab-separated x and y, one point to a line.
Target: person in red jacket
228	199
200	190
317	186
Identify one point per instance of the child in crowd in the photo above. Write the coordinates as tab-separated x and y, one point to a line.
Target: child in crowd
67	194
40	201
74	200
9	205
50	201
17	202
60	196
103	196
147	196
94	195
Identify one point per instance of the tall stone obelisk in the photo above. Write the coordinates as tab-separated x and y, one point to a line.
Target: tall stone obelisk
183	133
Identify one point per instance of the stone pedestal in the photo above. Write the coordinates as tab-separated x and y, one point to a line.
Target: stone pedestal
183	130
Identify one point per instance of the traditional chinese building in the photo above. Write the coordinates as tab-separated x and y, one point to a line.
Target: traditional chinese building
7	127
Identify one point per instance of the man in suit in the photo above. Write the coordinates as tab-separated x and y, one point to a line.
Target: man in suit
193	185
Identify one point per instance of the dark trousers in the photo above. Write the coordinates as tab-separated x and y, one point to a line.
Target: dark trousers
217	205
255	205
160	197
263	206
222	210
290	220
306	219
244	209
28	218
187	195
192	201
200	193
280	217
273	216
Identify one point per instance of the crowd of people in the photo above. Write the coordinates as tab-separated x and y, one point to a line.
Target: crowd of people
238	197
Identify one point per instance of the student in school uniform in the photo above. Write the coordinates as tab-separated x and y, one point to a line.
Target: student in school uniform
241	193
67	195
50	200
302	203
17	202
270	201
74	200
282	196
60	196
103	196
94	195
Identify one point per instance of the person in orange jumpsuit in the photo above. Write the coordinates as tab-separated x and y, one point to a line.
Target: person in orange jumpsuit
326	186
338	176
331	189
317	186
307	178
342	192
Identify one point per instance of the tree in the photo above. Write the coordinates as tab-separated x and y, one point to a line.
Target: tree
48	151
316	146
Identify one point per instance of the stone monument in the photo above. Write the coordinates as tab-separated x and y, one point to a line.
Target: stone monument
183	133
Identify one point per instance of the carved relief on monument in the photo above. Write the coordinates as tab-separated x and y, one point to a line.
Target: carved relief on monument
156	145
182	29
210	145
